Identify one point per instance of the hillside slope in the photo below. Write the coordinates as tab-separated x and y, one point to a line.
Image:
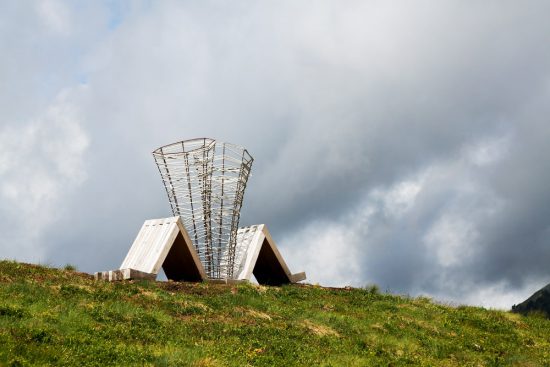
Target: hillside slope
58	317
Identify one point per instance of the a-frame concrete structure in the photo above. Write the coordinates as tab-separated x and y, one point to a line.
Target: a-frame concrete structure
160	243
260	256
165	243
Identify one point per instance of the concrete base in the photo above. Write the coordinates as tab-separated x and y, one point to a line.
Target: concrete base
298	277
124	274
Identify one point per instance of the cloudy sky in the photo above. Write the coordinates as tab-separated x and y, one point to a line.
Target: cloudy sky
404	144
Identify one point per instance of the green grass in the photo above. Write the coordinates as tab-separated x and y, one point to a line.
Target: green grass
61	317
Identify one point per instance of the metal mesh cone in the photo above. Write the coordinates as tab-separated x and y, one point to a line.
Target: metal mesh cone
205	181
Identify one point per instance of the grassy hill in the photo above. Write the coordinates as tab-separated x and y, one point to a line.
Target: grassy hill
60	317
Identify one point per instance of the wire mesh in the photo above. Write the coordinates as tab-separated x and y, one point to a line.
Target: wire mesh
205	182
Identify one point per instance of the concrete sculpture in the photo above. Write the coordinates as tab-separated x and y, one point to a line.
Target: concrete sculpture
205	181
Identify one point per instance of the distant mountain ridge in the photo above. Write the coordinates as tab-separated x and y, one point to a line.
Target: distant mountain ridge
539	301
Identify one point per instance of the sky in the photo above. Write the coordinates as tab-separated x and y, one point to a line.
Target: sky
403	144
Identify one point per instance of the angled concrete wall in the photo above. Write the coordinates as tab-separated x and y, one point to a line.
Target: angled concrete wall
160	243
259	255
165	243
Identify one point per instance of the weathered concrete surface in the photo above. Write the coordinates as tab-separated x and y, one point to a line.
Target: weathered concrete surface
160	243
257	254
124	274
165	243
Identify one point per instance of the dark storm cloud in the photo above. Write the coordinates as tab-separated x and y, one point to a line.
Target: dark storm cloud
408	141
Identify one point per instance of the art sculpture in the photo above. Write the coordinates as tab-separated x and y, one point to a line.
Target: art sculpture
205	181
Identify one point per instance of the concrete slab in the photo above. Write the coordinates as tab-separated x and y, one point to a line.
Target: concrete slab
258	254
160	243
165	243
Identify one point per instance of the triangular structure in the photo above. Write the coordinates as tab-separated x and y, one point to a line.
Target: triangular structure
257	254
160	243
165	243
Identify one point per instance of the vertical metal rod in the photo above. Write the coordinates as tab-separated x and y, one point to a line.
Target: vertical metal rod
215	174
171	184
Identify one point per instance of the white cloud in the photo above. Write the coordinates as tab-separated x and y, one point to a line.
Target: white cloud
500	295
451	239
488	151
333	251
438	243
42	161
398	198
328	253
56	16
